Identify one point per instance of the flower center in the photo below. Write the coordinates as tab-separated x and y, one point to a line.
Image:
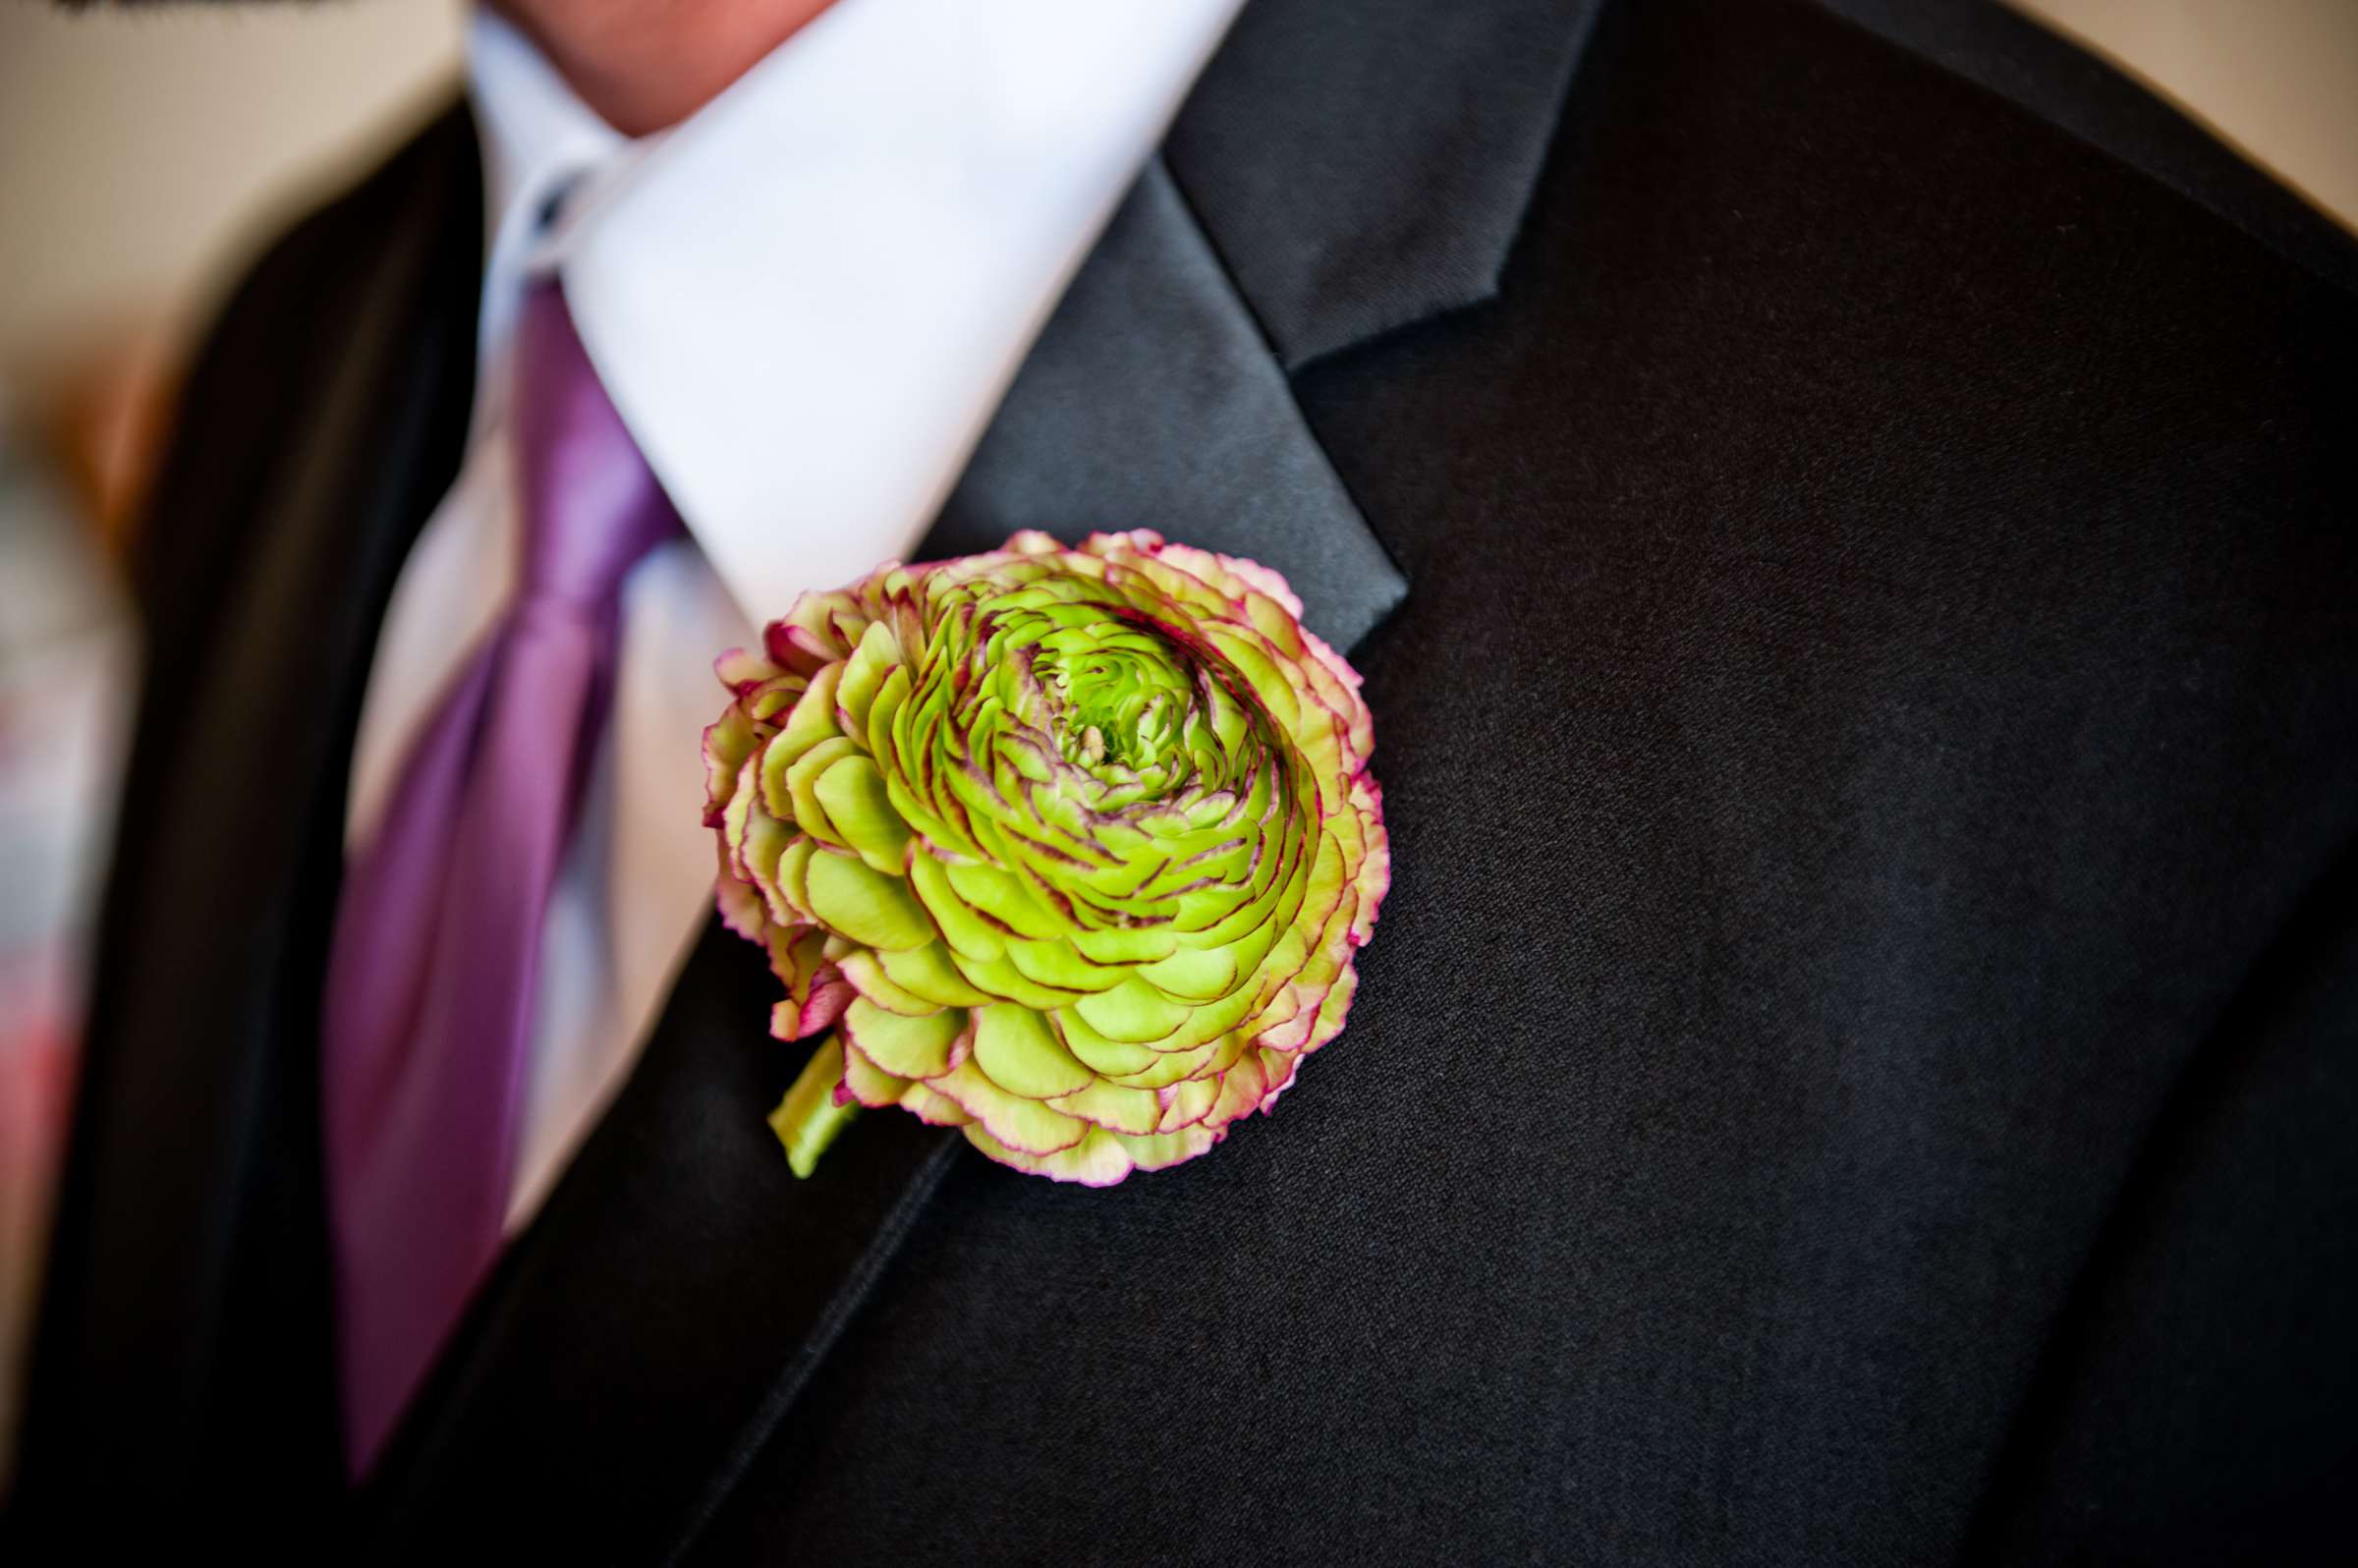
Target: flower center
1122	692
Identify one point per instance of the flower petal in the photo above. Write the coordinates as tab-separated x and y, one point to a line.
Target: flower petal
1020	1052
905	1047
849	896
1097	1160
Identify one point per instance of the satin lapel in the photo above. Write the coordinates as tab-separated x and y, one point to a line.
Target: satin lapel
1153	401
300	474
656	1323
1362	164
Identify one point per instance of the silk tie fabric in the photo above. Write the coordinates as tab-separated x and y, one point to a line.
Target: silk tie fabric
432	969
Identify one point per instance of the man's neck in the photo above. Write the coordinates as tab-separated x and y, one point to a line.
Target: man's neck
646	64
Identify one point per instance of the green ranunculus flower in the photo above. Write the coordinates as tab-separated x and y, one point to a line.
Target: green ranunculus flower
1073	849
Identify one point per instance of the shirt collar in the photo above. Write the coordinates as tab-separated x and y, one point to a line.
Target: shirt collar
808	299
539	140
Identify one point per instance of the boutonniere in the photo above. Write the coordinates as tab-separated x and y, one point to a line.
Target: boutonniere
1071	849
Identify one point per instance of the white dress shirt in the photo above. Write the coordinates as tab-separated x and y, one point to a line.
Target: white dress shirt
806	301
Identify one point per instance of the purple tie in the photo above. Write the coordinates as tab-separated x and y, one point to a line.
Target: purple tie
438	940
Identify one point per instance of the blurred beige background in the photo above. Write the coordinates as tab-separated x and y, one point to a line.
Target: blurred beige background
138	147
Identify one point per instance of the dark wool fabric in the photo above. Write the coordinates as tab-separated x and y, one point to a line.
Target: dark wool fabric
1854	569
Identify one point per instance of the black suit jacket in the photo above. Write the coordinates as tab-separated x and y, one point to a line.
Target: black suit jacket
1849	532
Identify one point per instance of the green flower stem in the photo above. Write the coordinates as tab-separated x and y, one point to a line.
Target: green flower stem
808	1119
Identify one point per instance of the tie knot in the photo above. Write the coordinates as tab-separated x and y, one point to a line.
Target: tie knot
591	506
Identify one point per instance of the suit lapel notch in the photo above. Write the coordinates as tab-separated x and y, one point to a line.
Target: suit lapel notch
1361	167
1152	400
